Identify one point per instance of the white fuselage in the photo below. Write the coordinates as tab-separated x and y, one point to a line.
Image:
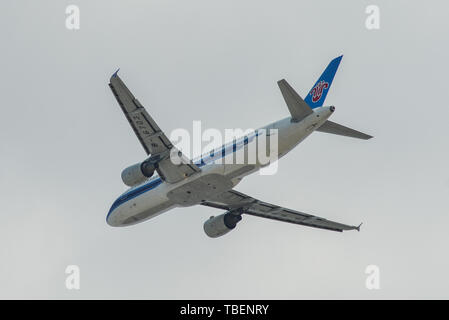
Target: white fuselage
155	196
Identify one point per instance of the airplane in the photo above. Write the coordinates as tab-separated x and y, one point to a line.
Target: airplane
158	184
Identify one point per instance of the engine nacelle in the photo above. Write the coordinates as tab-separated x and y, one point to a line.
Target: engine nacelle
137	173
222	224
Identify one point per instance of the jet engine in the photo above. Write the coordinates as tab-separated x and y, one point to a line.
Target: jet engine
137	173
222	224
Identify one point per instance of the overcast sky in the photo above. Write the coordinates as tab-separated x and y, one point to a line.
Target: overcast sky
64	142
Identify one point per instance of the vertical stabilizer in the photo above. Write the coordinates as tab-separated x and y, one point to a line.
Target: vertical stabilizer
316	96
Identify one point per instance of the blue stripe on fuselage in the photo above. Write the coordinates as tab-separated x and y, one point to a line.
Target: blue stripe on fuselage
152	184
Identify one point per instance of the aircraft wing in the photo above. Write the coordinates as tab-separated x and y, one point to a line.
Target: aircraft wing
152	138
234	200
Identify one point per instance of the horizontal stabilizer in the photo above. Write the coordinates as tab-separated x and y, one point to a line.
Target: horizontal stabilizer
298	108
335	128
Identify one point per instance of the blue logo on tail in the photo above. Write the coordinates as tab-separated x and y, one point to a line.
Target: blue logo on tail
316	96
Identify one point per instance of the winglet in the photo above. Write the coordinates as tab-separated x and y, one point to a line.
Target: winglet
358	228
115	73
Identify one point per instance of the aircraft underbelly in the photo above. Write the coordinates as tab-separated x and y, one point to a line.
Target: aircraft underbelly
204	187
213	180
154	210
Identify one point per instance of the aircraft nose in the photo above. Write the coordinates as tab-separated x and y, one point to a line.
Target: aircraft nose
332	108
112	220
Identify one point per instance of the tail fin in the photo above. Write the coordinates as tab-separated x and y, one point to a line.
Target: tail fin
316	96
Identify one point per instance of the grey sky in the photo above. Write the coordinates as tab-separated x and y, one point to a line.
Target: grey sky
64	142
